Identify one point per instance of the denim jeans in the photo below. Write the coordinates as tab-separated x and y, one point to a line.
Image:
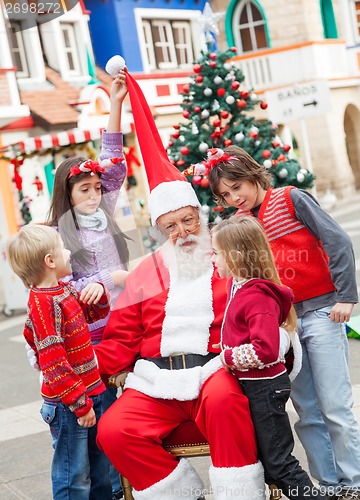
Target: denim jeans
267	400
80	471
108	398
322	397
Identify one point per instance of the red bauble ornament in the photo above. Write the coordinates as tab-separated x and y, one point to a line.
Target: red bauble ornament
275	144
184	150
180	163
197	109
212	55
253	135
224	114
233	49
186	113
266	154
197	180
227	142
197	68
244	94
199	79
170	144
186	88
235	85
241	103
176	127
217	122
221	92
212	64
286	147
176	135
263	105
281	157
204	183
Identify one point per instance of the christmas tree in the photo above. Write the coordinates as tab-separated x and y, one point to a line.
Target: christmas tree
217	106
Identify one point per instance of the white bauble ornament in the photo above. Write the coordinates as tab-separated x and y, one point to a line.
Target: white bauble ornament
203	147
217	219
303	171
254	129
300	177
257	143
239	137
253	97
267	163
194	128
208	91
199	168
205	209
205	114
217	80
215	105
227	66
114	65
283	173
230	99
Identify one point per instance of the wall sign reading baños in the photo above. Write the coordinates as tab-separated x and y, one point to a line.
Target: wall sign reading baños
35	12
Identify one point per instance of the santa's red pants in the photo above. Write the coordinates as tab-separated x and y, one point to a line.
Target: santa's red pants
132	429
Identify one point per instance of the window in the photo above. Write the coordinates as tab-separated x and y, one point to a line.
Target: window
249	27
70	48
168	44
18	50
356	19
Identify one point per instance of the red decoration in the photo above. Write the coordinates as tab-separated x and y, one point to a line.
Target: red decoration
89	166
235	85
197	109
227	142
197	68
204	183
199	79
212	64
176	127
244	94
281	157
263	105
131	159
233	49
241	103
266	154
180	163
196	180
186	88
218	209
286	147
221	92
212	55
186	113
275	144
170	144
217	122
224	114
17	177
253	135
184	150
176	135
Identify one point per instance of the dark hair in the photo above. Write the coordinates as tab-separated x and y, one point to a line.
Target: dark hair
63	215
242	167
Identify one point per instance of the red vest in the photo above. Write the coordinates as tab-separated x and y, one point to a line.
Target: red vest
299	256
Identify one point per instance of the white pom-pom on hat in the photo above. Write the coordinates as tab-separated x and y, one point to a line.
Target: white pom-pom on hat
114	65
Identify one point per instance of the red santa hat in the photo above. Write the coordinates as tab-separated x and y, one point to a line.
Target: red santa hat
169	189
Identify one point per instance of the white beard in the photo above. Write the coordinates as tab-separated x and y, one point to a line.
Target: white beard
187	262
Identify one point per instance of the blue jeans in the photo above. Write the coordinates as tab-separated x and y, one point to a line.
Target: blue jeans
80	471
108	398
267	401
322	397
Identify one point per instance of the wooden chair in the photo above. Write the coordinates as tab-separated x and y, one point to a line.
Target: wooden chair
185	441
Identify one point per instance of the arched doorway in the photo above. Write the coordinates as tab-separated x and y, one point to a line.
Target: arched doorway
352	138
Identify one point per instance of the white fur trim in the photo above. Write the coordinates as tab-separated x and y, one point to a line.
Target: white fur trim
188	315
243	483
114	65
182	482
296	345
169	196
183	385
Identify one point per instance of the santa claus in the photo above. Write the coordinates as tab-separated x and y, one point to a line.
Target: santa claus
164	330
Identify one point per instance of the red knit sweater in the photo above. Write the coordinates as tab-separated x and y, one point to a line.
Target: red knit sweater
56	328
250	333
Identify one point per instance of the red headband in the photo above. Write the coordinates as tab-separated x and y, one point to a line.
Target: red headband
214	156
92	166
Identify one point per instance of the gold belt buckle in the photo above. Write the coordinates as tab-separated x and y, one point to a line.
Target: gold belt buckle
182	354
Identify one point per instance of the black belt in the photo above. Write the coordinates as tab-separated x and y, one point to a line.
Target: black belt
181	361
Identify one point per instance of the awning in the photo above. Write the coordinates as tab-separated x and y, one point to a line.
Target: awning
48	141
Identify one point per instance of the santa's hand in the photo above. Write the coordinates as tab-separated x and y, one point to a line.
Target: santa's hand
31	354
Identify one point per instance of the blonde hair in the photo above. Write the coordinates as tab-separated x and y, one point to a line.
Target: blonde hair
247	253
27	249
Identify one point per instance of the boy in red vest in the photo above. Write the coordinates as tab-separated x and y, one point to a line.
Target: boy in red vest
56	329
315	258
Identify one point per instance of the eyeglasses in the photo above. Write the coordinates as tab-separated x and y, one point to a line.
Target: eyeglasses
188	224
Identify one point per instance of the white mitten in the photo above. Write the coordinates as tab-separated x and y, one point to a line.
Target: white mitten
284	343
31	354
114	65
